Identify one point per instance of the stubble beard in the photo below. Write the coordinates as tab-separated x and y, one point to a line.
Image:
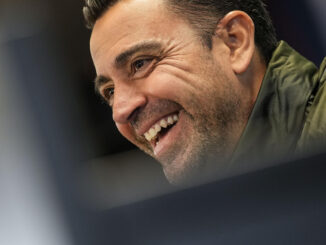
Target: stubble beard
203	154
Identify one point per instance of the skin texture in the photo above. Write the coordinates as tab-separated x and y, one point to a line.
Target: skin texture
157	65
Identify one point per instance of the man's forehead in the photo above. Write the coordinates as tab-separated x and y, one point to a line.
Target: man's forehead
123	21
125	10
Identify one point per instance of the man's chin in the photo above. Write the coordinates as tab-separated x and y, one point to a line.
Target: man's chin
185	173
179	177
201	171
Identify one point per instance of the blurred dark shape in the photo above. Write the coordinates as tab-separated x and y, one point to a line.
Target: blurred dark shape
280	205
297	23
122	179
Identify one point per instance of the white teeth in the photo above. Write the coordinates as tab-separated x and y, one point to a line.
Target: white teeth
152	132
170	120
164	123
148	136
157	128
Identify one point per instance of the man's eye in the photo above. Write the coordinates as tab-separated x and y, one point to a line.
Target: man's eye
139	64
108	92
108	95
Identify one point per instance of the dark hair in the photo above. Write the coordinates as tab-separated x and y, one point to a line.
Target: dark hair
94	9
204	15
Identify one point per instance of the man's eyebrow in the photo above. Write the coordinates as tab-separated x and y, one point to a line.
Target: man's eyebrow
99	81
123	58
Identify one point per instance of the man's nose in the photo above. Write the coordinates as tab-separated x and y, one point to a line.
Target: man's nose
127	102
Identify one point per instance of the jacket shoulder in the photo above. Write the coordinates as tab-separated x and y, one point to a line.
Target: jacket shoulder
313	137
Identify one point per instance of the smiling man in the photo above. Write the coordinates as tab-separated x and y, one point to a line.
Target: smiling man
200	85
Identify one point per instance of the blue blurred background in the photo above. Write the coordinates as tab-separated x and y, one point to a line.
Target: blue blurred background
61	158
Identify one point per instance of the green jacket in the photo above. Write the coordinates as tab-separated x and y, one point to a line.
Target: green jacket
289	116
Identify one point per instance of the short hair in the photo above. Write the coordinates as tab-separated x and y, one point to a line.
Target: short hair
204	15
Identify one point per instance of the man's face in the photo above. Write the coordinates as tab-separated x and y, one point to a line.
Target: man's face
171	96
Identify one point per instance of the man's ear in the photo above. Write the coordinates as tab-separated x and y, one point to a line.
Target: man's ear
237	31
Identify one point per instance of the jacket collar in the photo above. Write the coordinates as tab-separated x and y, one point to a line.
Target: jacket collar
277	118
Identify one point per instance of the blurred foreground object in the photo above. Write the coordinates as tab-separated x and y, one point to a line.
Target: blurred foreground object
30	213
30	210
285	204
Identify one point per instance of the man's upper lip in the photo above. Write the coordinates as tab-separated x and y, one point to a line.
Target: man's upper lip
146	125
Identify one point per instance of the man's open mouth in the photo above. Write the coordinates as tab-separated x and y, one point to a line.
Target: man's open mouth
159	129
